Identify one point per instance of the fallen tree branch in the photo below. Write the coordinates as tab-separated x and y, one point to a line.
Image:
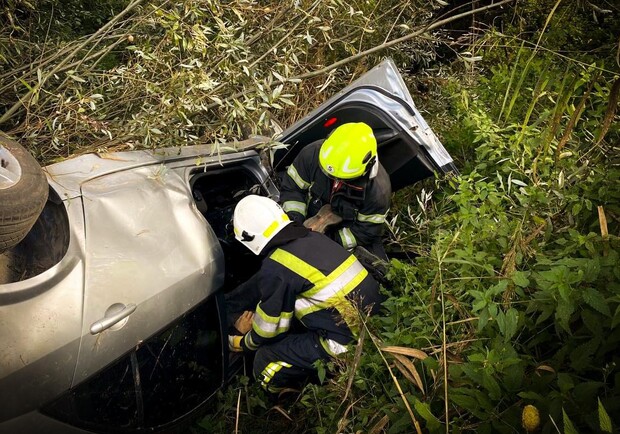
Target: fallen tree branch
393	42
373	50
22	102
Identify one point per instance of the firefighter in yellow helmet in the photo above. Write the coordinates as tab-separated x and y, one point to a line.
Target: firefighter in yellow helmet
305	280
343	171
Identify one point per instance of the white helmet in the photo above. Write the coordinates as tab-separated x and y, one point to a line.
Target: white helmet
257	219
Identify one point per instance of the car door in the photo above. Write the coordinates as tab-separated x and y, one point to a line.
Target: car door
407	147
152	350
149	258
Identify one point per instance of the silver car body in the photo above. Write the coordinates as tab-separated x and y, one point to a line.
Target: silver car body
384	87
140	254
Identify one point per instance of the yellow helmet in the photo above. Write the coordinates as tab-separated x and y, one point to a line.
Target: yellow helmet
349	152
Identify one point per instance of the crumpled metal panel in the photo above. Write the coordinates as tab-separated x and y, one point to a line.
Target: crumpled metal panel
146	244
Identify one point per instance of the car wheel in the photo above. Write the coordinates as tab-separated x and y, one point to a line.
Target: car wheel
23	192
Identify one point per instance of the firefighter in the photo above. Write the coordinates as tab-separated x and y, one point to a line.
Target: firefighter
342	170
305	278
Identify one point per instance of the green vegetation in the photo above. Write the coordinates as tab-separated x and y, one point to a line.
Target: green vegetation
514	299
167	73
512	295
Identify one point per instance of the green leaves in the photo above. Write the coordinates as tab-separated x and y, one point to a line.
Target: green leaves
595	299
473	400
321	369
581	356
569	428
520	278
491	385
529	260
507	323
424	410
568	283
605	424
563	313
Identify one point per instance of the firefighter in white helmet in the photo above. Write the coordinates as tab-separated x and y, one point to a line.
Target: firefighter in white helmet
306	278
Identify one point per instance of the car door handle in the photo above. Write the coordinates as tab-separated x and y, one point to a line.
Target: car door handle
115	314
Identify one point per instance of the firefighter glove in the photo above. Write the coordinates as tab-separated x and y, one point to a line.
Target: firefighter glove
234	343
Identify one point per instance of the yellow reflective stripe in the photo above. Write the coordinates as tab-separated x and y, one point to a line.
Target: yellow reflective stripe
270	229
347	237
330	296
249	342
270	331
371	218
329	279
297	266
275	225
346	309
295	206
270	326
272	319
332	347
270	371
292	172
327	291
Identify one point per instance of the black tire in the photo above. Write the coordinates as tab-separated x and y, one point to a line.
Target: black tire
21	203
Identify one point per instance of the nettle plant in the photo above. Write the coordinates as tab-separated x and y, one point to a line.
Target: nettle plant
515	295
532	250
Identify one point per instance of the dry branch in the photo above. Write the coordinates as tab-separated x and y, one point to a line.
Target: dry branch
374	50
24	100
610	112
397	41
574	119
411	352
356	360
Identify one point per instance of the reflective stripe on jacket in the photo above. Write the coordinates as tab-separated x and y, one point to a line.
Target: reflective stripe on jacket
305	189
318	282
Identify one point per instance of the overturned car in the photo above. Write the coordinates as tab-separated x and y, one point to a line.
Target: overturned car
112	315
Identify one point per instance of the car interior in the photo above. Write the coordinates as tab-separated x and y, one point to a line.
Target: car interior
216	192
405	160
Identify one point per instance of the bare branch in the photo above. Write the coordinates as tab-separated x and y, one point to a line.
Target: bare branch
376	49
23	100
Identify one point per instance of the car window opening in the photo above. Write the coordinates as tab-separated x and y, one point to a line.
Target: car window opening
216	194
401	156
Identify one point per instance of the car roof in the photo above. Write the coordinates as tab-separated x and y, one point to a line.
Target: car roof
67	176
